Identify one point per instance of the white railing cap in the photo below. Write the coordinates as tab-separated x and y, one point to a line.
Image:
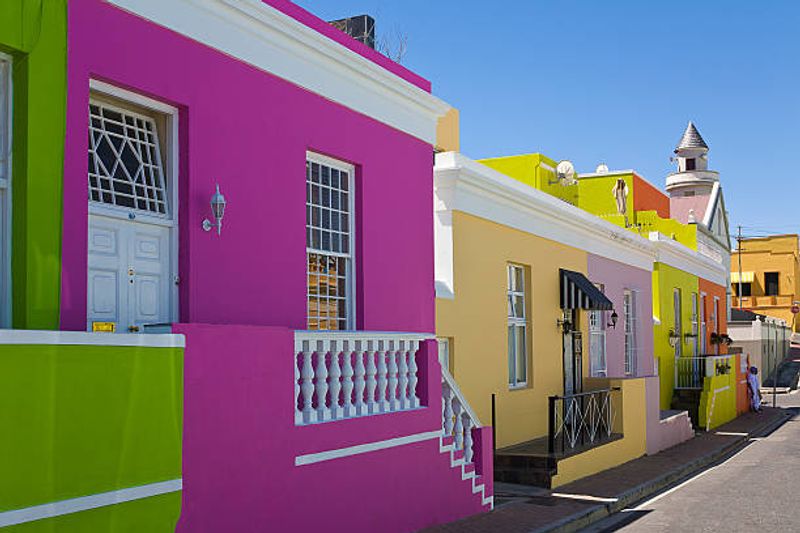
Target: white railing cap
85	338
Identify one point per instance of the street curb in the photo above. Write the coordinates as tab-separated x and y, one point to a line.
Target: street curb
594	514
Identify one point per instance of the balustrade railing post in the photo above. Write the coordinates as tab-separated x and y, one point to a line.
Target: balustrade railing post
467	437
459	426
347	378
372	383
403	381
383	381
360	382
392	396
335	375
307	387
412	373
321	383
297	361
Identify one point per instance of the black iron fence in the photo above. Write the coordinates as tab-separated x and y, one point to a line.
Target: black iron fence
582	420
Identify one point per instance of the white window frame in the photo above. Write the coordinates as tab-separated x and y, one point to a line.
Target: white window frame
629	325
171	168
715	317
703	325
516	321
350	305
6	131
695	343
677	309
597	341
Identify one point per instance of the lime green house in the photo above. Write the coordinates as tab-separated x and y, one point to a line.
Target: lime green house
32	106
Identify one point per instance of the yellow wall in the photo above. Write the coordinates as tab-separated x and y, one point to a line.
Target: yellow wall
724	400
665	280
447	132
630	419
778	253
476	321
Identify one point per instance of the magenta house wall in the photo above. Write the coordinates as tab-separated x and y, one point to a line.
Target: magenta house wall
616	277
240	444
249	131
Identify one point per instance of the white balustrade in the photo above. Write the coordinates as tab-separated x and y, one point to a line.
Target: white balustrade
342	375
458	419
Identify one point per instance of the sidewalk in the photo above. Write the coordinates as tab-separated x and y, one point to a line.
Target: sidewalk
585	501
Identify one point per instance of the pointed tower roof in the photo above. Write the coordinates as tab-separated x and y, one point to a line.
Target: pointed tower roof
691	139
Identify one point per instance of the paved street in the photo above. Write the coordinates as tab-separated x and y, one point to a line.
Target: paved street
752	491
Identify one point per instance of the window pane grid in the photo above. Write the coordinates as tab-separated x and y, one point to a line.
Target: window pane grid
517	327
629	319
125	167
328	246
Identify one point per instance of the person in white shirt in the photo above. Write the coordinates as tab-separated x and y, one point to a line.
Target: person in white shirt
754	388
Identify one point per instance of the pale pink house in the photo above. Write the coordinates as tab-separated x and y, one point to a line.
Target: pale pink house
322	150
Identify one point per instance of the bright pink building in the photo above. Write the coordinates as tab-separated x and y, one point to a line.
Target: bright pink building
322	150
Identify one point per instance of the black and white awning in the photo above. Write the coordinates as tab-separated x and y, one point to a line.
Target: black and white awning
577	292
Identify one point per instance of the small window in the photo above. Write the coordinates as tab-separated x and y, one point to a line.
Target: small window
746	289
690	163
771	283
597	342
329	247
126	168
629	319
517	328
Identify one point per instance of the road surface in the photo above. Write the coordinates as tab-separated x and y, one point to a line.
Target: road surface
755	490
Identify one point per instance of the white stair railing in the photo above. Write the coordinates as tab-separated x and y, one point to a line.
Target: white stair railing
346	374
458	418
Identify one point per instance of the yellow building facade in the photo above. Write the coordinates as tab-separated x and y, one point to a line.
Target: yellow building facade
770	276
502	249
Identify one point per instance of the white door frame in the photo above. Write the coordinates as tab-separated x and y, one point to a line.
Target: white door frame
171	175
5	209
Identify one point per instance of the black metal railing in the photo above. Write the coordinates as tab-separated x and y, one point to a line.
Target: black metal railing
580	421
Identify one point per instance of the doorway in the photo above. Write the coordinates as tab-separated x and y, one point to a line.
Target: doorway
132	259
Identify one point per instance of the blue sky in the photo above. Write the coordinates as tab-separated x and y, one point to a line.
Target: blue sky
616	82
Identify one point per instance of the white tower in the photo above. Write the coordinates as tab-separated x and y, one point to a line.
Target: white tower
693	177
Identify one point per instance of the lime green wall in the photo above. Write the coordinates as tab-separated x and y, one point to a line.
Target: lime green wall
685	234
33	32
595	195
152	515
665	280
528	169
87	420
720	406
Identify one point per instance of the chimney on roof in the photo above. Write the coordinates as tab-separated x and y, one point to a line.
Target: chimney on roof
361	28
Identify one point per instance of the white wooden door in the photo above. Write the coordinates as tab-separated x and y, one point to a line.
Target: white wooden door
130	274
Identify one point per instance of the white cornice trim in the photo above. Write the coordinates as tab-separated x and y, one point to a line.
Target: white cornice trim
256	33
462	184
676	255
83	338
85	503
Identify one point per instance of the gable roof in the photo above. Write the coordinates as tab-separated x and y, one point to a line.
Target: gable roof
691	139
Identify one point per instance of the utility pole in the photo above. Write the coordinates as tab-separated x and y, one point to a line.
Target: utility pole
739	249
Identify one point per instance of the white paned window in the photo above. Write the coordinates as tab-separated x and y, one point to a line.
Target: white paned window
629	319
597	342
703	325
329	243
5	191
677	310
443	344
715	320
517	328
125	165
695	343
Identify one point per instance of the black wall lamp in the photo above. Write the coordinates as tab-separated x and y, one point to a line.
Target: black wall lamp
614	318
